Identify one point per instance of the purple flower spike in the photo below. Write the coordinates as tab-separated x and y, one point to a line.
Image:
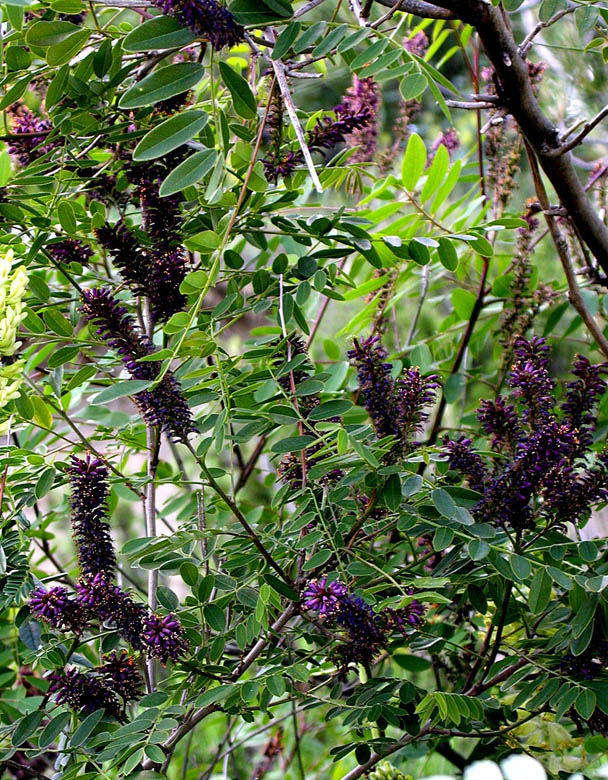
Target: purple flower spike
530	379
364	628
499	420
449	139
70	250
88	481
376	384
115	606
417	44
163	637
323	597
206	18
462	457
326	134
30	133
363	95
83	693
413	394
397	408
164	405
127	254
56	608
582	397
119	672
405	619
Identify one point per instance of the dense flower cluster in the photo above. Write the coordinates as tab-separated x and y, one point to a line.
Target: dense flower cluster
163	637
449	139
368	631
323	597
84	693
88	482
207	19
109	604
120	673
100	688
98	598
417	44
70	250
29	136
397	407
155	269
499	420
55	607
163	405
550	471
326	134
363	95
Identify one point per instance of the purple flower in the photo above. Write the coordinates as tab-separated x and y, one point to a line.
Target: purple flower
530	380
161	217
163	637
164	405
507	498
329	132
364	629
57	608
29	137
582	397
413	394
499	420
70	250
375	383
207	19
282	164
463	458
167	272
322	596
569	494
417	44
363	95
405	619
114	606
88	482
119	672
326	134
156	272
127	254
396	408
367	631
83	693
449	139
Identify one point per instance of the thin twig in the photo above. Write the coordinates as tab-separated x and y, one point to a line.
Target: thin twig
584	131
306	8
469	105
527	41
239	516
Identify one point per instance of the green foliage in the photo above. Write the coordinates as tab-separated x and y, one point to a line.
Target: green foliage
126	117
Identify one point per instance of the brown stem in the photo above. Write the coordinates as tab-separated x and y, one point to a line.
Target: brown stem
563	253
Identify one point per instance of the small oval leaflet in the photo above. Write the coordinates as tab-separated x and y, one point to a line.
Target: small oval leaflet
162	84
170	134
